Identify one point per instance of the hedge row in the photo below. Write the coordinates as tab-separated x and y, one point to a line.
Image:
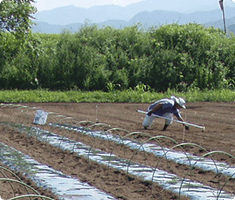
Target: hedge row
168	57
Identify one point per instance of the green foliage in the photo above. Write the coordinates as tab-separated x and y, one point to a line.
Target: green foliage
15	16
171	57
130	95
19	64
190	54
19	52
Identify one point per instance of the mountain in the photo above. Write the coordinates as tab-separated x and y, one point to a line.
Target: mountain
43	27
218	23
96	14
182	6
148	19
163	17
232	28
71	14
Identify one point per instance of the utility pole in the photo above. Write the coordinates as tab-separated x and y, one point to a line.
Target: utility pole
222	8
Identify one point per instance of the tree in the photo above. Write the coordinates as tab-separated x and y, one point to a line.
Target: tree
16	15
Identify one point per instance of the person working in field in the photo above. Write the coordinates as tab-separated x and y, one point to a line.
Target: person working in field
167	108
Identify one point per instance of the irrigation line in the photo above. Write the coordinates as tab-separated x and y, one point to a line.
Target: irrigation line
30	128
22	111
19	182
120	136
17	177
190	144
106	134
91	147
183	180
7	177
74	147
34	108
165	137
86	122
221	152
61	140
137	150
129	166
135	153
155	169
60	116
184	144
117	129
109	161
11	172
98	124
137	133
183	151
209	154
31	195
52	113
130	160
225	183
94	142
163	149
160	137
62	120
181	185
225	153
156	166
47	136
89	151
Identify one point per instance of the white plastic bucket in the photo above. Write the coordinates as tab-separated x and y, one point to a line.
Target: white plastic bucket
40	117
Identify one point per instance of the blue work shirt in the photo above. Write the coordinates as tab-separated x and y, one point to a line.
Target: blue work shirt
167	107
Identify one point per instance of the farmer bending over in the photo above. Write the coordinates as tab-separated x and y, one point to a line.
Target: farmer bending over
165	108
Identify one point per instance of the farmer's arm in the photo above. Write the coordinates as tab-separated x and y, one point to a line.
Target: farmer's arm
182	120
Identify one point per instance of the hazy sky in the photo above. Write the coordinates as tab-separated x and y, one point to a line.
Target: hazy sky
50	4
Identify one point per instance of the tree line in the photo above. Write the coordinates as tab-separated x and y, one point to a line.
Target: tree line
171	56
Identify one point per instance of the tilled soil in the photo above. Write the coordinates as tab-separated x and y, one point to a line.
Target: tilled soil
218	137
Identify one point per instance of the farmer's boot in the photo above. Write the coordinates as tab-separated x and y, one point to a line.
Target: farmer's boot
165	127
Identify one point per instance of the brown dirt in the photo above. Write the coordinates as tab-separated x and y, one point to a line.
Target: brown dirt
218	118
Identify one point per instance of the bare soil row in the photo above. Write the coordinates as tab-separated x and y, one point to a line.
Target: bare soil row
219	136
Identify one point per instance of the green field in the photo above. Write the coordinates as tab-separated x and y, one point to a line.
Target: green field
137	95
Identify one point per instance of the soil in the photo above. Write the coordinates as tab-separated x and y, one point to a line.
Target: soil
218	138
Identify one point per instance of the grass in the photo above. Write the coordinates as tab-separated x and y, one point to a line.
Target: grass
132	96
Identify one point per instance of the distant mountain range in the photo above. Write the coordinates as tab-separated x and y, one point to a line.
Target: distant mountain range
72	14
144	12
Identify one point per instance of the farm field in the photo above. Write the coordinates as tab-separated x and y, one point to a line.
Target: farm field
122	119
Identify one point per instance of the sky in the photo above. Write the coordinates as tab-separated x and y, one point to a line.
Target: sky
51	4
